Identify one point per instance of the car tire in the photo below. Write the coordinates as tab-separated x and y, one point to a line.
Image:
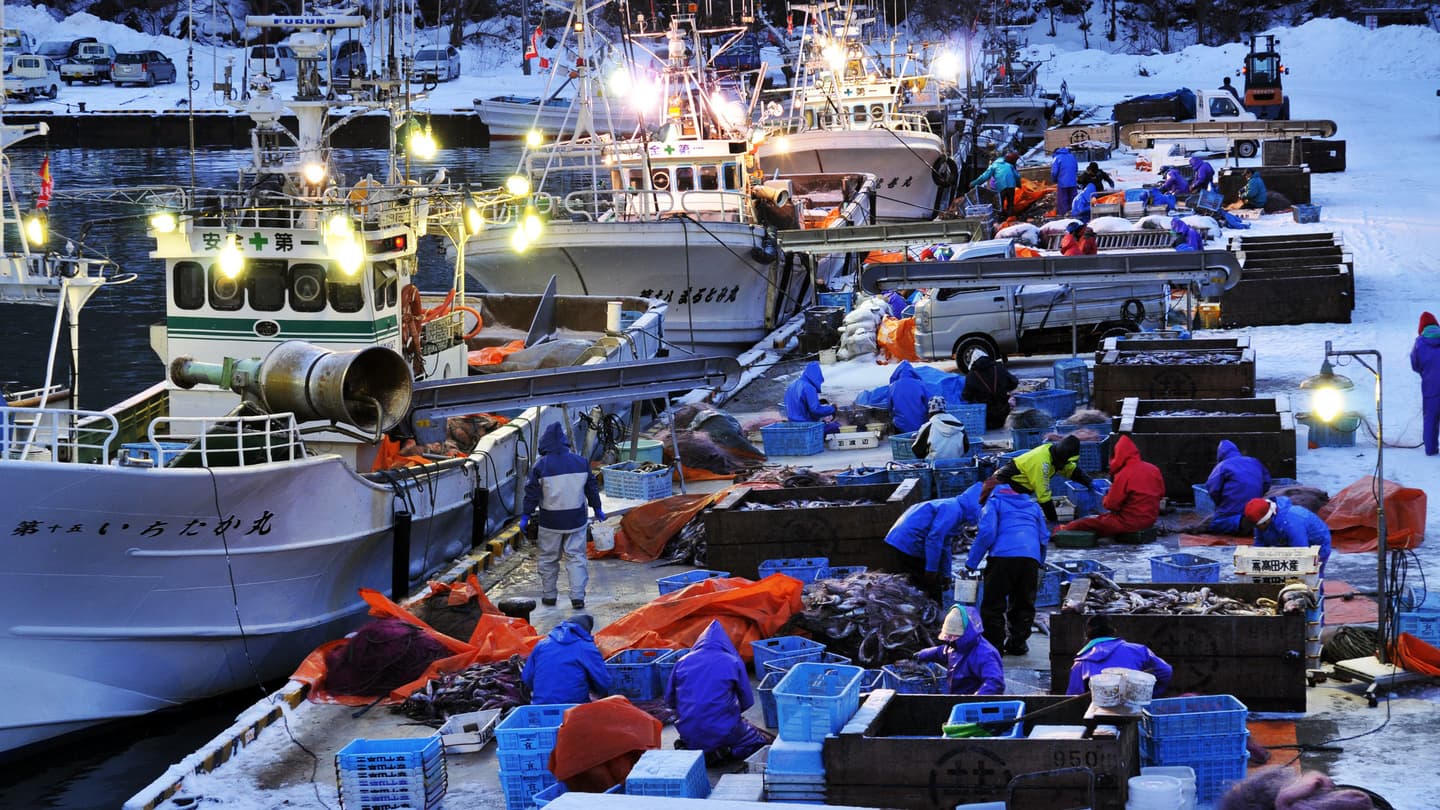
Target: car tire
53	92
1246	149
150	80
969	348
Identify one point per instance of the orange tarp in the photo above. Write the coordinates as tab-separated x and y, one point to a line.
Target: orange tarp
896	338
748	611
646	529
1350	514
1276	734
1417	656
1355	610
494	355
885	257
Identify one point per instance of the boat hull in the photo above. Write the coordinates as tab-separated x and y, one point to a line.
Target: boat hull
515	119
904	162
722	295
1030	113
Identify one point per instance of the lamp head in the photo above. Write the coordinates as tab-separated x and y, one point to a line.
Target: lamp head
1327	398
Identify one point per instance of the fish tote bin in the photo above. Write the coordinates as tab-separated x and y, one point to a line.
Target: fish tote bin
623	480
815	700
1183	567
793	438
764	650
675	774
633	673
1057	402
991	710
805	569
675	582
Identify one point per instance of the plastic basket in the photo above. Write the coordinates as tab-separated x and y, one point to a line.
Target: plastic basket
416	793
919	470
1048	592
1203	502
765	693
870	680
392	755
931	682
793	438
1086	502
1027	438
954	475
624	481
549	794
679	774
1197	714
805	569
1183	567
768	649
1209	201
1215	776
862	475
665	665
843	571
1306	213
632	673
1424	626
675	582
981	211
814	700
1184	749
523	762
1092	457
900	446
531	728
1075	569
972	417
1058	402
1073	374
786	663
843	300
520	788
990	710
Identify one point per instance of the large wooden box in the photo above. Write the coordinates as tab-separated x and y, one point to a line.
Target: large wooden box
1142	341
1290	279
892	754
1292	181
1258	659
1102	132
1152	372
738	540
1183	447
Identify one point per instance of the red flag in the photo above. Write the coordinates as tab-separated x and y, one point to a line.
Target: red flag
533	50
47	184
789	23
544	63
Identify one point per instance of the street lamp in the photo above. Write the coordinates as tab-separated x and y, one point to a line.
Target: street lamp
1327	387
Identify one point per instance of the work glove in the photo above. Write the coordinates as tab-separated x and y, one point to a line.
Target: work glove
524	522
600	515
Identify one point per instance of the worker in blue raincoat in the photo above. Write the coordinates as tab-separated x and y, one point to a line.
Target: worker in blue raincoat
557	490
907	399
803	403
1063	170
566	666
1104	649
1080	206
1425	361
1204	173
1254	194
1005	180
920	542
1187	238
1012	536
1235	480
708	691
972	664
1278	522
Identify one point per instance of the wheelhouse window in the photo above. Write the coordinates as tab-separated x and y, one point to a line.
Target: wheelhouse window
306	287
346	292
226	294
387	284
731	174
710	178
187	285
265	279
685	178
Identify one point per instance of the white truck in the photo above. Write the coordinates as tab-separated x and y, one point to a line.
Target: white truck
1219	124
91	64
31	76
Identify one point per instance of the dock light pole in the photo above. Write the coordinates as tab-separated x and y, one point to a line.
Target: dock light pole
1326	399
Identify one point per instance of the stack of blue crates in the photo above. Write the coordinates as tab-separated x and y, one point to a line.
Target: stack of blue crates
784	665
523	743
406	772
812	701
972	416
766	650
795	772
633	673
898	471
673	774
1205	732
805	569
954	475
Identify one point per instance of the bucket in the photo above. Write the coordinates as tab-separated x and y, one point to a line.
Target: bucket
603	535
1184	773
1154	792
645	450
1107	689
827	357
1138	687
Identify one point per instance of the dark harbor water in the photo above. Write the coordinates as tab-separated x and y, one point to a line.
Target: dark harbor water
103	768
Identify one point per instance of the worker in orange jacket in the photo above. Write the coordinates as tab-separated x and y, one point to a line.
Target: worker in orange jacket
1133	502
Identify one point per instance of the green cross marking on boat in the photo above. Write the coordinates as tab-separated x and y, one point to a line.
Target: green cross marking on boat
669	149
258	241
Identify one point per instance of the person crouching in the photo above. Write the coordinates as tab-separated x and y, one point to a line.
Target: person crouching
972	664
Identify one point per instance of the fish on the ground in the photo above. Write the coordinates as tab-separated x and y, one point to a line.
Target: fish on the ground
870	616
479	686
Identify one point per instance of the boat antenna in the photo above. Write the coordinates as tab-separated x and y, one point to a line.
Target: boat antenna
190	83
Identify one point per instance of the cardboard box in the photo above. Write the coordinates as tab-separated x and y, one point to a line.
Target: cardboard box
1102	132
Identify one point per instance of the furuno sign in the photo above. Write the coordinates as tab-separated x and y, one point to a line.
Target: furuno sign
288	21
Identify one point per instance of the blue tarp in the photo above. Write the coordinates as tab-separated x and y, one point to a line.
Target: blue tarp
936	382
1184	96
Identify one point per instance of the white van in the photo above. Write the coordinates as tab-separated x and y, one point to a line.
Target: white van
275	61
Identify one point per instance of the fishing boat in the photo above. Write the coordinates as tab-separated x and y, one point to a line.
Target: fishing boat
1007	86
511	116
846	115
208	532
680	212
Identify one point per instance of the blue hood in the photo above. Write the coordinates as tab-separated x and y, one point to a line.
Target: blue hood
1227	449
714	639
553	440
813	374
902	372
569	633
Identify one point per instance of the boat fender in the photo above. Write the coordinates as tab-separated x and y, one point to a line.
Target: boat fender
944	171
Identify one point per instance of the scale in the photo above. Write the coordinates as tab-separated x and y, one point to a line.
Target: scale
1370	670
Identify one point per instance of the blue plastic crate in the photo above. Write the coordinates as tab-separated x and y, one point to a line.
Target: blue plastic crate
1197	714
843	571
1203	502
862	475
1063	427
954	475
1419	600
787	663
402	753
549	794
524	762
632	673
400	780
624	481
1306	213
1048	592
678	774
792	758
768	649
972	416
665	665
1215	776
843	300
1183	567
675	582
919	470
990	710
1027	438
1074	569
1424	626
520	789
414	794
814	700
1058	402
925	683
805	569
1086	502
1184	749
531	728
1092	457
870	680
1207	202
1073	374
900	446
765	693
793	438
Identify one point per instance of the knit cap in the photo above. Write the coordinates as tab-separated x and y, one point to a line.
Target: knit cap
1259	511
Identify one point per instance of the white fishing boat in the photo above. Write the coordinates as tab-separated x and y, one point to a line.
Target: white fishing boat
845	115
511	117
208	532
1008	86
680	212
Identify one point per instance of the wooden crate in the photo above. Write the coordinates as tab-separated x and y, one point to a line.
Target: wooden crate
891	755
1249	657
1094	131
1115	381
1289	279
1292	181
738	541
1141	341
1183	447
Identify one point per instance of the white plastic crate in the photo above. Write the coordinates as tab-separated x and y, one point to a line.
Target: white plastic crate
857	440
1277	562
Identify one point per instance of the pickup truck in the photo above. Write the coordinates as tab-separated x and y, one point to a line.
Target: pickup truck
1191	107
90	65
31	76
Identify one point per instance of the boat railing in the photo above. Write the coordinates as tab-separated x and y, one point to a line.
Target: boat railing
50	434
227	441
632	205
891	120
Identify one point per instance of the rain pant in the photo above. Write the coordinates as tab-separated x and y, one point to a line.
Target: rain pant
802	398
1080	206
972	664
1133	502
1236	479
1297	527
1063	170
1108	651
709	690
1425	361
907	399
565	667
560	484
1012	534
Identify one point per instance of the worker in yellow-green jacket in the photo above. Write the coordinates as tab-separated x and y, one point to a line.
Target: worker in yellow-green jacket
1030	472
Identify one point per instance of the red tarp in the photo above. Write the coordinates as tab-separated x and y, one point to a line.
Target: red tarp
1350	514
599	742
747	610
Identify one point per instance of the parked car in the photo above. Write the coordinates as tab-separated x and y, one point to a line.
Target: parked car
143	67
31	76
91	64
347	58
436	65
275	61
61	51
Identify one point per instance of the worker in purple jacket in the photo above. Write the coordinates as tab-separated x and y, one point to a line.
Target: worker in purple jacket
1103	650
972	664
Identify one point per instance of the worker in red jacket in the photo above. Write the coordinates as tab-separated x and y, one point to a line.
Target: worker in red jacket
1133	502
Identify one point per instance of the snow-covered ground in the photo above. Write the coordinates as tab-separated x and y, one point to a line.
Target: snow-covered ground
1380	86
